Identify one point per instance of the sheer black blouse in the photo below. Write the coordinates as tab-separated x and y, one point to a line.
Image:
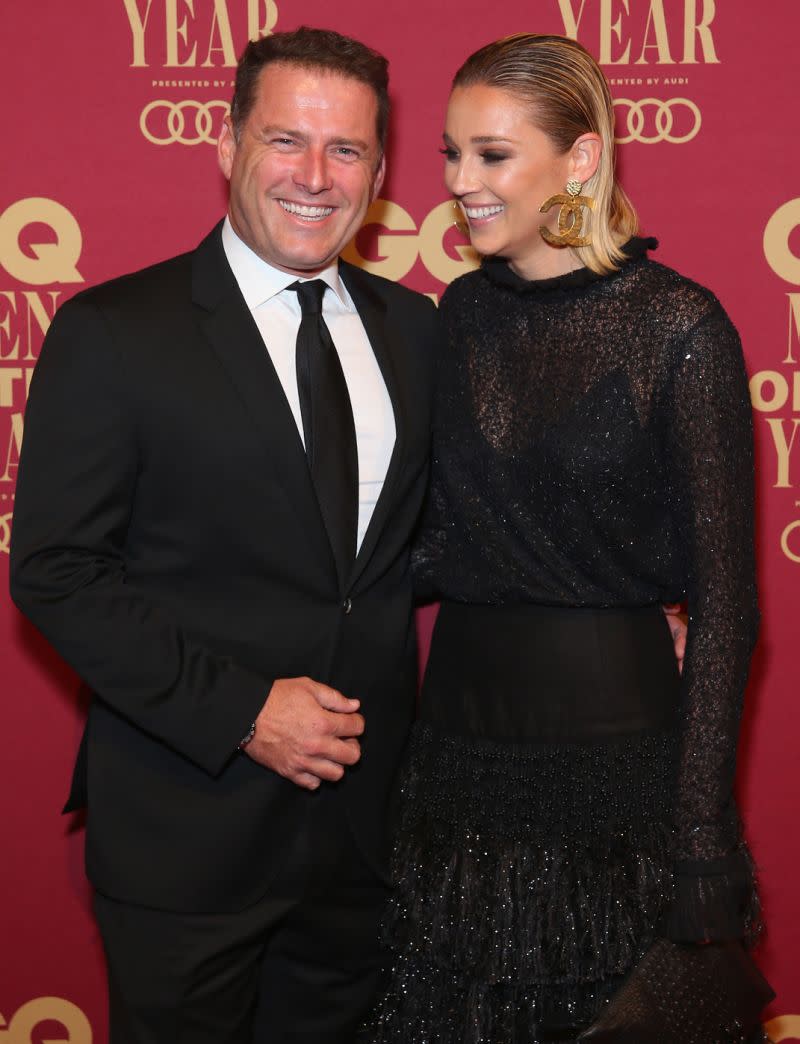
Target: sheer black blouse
593	447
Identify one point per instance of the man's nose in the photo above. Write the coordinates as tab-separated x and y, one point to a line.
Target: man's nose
313	174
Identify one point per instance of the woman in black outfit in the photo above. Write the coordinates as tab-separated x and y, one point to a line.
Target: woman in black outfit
569	796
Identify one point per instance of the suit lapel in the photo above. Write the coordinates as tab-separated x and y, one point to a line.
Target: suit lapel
230	328
387	348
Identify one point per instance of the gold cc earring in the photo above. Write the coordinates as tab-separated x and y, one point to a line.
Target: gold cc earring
570	218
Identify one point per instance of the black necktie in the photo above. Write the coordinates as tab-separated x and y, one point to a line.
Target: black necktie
328	427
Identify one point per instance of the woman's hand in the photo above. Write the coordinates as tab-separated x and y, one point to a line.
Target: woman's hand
679	627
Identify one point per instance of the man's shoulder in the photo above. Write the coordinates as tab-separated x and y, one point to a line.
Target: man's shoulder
155	289
144	287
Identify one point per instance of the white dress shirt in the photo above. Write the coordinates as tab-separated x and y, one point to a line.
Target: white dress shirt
276	311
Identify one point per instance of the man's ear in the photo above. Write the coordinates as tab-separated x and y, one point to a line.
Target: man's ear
585	157
377	182
226	147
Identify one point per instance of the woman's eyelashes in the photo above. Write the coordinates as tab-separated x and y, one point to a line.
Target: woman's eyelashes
489	156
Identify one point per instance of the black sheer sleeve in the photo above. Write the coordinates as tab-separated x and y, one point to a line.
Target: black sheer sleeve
430	540
708	434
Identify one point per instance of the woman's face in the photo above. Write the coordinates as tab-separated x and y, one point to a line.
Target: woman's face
501	168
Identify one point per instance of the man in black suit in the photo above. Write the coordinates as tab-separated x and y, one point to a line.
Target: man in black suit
249	640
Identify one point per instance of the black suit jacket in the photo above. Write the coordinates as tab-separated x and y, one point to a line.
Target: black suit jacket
168	542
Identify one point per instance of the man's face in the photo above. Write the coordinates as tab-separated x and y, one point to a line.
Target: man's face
305	168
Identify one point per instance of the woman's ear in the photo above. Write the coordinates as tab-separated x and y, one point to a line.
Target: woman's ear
585	157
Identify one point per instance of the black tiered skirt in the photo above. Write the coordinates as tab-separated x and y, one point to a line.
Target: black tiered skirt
533	857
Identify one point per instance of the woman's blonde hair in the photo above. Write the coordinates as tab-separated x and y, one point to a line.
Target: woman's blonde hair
567	96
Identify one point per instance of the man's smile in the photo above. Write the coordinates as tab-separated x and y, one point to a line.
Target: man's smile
305	210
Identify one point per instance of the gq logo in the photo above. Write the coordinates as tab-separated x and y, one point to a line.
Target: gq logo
20	1030
52	262
785	1027
777	234
400	248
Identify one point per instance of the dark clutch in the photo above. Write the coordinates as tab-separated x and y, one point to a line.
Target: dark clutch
686	994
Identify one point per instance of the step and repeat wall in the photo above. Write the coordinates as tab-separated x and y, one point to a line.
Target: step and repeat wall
110	113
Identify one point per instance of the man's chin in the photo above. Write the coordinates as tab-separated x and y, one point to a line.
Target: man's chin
312	248
307	263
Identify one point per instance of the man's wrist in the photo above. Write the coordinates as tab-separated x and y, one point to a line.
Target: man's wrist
247	738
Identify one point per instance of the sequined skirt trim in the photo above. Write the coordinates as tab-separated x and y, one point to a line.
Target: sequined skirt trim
529	880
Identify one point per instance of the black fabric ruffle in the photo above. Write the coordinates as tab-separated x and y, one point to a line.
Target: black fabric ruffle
529	880
535	863
715	901
428	1005
497	270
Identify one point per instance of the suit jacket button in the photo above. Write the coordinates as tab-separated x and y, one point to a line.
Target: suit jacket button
347	605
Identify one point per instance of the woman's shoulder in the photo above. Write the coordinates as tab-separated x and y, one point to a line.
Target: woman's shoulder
461	289
674	302
686	326
672	317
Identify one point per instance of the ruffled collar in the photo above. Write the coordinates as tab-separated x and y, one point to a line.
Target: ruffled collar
497	270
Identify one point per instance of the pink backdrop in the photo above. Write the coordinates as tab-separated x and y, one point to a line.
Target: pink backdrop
108	110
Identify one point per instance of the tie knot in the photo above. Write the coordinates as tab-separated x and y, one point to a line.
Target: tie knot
310	294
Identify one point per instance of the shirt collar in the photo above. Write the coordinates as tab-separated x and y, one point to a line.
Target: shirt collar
260	281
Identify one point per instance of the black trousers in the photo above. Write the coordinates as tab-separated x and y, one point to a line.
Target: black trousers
301	966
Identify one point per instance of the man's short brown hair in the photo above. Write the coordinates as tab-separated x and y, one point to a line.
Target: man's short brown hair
312	49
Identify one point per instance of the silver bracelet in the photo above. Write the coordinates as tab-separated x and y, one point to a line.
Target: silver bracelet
250	733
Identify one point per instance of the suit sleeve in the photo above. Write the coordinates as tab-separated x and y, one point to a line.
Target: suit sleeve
76	492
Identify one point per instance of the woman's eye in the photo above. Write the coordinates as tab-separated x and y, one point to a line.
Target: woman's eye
493	157
449	154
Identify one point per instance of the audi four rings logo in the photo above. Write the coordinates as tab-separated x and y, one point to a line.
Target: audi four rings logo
646	120
5	533
184	123
650	120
